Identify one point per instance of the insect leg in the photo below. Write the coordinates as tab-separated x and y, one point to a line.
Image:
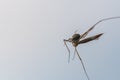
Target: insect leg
67	49
85	34
74	55
82	64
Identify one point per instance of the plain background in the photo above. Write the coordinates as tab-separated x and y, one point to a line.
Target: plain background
32	33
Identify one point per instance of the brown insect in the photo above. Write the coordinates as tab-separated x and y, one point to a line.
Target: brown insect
77	39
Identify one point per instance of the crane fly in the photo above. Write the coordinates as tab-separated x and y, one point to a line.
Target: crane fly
77	39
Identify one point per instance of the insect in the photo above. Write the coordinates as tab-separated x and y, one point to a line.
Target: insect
77	39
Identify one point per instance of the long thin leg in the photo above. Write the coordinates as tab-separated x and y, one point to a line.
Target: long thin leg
68	50
85	34
82	64
74	55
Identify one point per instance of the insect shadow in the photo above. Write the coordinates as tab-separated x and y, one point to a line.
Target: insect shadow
77	39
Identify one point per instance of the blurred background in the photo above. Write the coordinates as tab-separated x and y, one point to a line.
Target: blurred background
32	33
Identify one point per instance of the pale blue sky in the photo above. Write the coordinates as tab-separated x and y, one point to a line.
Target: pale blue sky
31	34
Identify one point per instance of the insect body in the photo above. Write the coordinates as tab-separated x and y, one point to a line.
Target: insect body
77	39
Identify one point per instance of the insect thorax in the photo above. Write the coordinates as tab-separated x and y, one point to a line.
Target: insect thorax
75	39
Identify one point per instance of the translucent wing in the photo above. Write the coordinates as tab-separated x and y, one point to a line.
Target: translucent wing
90	38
